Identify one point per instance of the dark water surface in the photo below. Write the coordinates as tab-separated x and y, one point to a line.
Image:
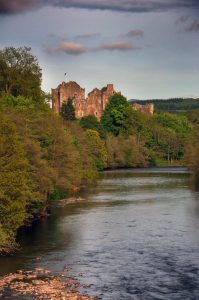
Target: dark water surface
136	238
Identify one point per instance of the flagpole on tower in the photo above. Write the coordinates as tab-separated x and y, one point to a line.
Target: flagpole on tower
65	76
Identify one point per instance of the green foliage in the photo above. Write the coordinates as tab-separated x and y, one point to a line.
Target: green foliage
97	148
39	160
192	154
138	125
68	111
193	116
19	103
177	123
91	122
14	182
20	74
125	152
116	114
86	167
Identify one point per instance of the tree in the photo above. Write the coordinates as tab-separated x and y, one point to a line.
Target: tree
125	152
97	148
20	73
68	111
14	183
192	154
91	122
116	113
19	103
180	124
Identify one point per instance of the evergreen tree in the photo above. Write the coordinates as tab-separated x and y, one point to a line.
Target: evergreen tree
68	111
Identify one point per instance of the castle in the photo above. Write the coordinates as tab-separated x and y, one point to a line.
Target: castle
93	104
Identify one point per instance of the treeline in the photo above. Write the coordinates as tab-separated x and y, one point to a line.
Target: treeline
44	157
191	157
171	105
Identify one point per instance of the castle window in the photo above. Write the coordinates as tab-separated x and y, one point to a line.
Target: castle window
96	113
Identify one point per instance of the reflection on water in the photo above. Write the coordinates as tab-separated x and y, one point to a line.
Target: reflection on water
136	238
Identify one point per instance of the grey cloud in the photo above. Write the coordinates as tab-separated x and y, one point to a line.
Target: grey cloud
16	6
134	33
87	35
129	5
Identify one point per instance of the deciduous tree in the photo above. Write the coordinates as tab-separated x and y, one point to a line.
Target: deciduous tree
20	73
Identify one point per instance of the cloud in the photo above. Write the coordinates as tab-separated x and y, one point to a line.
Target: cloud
67	48
87	35
16	6
194	26
119	46
134	33
78	49
129	5
72	48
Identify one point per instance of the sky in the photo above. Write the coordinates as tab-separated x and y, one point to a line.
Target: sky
146	48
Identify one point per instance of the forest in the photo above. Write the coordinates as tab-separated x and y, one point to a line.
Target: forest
45	157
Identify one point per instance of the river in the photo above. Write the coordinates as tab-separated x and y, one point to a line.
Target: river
137	237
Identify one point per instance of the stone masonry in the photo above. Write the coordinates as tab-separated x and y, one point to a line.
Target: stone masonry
147	109
93	104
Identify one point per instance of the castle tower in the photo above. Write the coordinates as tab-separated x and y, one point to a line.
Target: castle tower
64	92
107	92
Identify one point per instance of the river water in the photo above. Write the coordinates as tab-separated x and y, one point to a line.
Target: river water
137	237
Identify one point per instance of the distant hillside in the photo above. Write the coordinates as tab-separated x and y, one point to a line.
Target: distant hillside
173	104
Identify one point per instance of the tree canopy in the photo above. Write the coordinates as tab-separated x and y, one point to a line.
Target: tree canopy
91	122
14	182
20	73
116	114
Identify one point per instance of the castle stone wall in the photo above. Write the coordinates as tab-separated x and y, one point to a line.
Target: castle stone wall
147	109
93	104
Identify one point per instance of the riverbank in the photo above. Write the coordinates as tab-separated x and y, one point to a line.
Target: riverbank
41	284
